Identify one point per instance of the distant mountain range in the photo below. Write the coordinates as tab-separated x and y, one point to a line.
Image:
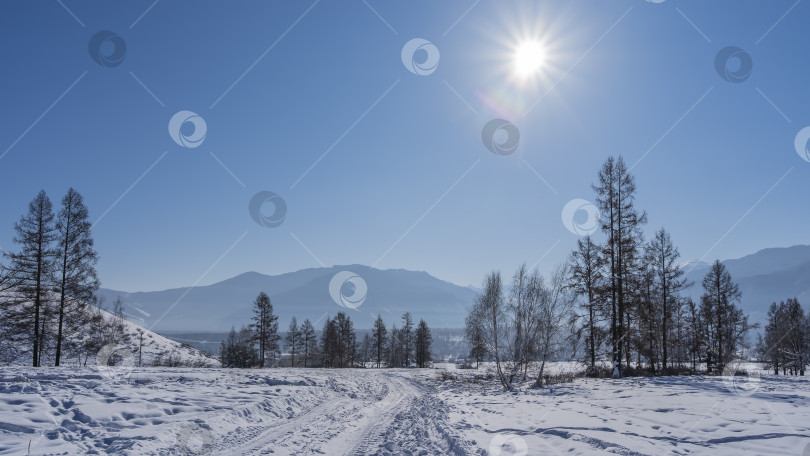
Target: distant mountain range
303	294
769	275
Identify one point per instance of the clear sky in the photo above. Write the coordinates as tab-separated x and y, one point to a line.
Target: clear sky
401	176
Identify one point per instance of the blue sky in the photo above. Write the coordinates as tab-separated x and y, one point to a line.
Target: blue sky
407	181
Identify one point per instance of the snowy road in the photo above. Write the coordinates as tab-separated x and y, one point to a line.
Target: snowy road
373	416
218	412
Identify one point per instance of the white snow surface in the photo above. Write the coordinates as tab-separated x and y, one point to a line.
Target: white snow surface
284	411
152	349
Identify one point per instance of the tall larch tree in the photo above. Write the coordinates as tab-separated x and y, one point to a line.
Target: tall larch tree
726	322
663	257
75	265
309	341
406	336
587	281
379	337
621	223
33	267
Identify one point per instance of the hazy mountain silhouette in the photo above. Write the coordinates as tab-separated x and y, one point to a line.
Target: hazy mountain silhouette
769	275
303	294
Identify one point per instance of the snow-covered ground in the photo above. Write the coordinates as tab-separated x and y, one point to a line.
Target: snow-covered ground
756	415
178	411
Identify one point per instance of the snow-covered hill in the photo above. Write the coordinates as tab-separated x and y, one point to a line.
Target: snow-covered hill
159	350
131	345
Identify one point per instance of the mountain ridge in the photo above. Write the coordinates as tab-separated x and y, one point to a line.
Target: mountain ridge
768	275
305	294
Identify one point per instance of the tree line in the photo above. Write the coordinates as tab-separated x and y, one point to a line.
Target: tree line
786	344
49	284
616	300
260	344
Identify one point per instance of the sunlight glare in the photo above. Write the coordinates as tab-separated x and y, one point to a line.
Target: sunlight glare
529	58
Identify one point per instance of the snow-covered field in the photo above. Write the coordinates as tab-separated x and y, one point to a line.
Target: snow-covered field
174	411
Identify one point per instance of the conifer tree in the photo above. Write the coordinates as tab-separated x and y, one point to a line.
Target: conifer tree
422	343
33	268
379	338
265	328
75	266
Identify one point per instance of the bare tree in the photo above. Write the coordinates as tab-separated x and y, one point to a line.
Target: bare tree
554	313
293	340
488	316
394	350
473	333
521	310
364	353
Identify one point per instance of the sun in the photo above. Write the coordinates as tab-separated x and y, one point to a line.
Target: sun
529	58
